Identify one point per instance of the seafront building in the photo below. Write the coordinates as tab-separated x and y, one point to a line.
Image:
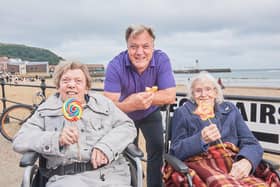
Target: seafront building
20	68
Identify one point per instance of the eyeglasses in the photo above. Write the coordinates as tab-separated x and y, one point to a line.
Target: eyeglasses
200	91
67	80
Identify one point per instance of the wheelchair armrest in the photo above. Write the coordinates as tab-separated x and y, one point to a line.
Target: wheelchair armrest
177	164
272	165
28	159
135	155
134	151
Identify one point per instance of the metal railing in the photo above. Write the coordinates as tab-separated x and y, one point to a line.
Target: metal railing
42	86
262	114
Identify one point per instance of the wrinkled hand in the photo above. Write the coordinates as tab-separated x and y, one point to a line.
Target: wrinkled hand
98	158
210	133
141	100
241	168
69	135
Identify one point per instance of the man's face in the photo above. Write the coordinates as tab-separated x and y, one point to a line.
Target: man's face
140	50
73	85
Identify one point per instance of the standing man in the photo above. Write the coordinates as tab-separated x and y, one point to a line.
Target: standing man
128	77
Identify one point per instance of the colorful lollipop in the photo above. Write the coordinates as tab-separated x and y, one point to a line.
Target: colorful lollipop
72	109
205	111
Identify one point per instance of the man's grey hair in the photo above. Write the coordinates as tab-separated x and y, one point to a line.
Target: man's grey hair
135	30
205	76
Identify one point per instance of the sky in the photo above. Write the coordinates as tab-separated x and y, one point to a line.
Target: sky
237	34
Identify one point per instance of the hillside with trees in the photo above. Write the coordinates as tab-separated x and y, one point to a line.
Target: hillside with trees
29	53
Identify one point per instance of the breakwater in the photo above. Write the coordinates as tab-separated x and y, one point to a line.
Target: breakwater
211	70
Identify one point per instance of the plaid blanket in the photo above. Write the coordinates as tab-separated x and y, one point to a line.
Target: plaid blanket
212	167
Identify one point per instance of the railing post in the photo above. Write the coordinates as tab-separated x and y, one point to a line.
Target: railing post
43	86
3	94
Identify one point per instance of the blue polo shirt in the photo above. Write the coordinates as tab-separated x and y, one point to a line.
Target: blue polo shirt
121	77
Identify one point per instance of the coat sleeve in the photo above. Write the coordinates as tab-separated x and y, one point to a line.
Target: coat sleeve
248	144
32	137
123	132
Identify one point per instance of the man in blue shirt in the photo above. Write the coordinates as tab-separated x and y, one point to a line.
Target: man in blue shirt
127	77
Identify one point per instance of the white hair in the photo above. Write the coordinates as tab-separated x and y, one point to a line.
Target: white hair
205	76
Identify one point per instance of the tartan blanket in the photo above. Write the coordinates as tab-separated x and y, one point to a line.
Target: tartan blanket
211	169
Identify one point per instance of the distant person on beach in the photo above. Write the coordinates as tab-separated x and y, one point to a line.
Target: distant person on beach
7	78
211	137
76	151
221	83
139	80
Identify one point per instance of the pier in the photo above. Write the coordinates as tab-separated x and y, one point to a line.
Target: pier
211	70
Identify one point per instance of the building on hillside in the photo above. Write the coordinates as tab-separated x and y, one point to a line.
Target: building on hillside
3	64
15	66
19	67
96	70
37	67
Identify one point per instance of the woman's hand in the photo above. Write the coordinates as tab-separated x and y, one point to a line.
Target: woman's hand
241	168
98	158
210	133
69	135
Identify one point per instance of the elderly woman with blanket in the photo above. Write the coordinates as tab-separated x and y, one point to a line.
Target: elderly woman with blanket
218	147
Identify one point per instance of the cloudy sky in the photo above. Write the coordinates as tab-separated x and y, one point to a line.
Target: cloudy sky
217	33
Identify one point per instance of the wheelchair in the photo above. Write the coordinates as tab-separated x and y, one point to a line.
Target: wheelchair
33	176
179	166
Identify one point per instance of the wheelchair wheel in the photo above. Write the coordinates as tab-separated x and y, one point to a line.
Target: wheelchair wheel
12	118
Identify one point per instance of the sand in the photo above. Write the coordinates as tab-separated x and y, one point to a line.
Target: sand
11	173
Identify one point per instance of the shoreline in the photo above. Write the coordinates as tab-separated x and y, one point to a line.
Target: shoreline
180	88
242	91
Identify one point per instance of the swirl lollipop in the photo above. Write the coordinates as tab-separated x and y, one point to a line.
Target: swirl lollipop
72	109
205	111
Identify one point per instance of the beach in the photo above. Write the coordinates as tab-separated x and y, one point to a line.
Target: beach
11	173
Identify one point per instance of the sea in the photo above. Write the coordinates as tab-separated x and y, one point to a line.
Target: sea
241	78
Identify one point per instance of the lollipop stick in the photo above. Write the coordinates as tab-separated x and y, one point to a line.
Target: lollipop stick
72	111
219	140
78	148
79	152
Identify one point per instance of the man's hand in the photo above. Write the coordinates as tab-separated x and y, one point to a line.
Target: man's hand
140	101
98	158
69	135
136	101
210	133
241	168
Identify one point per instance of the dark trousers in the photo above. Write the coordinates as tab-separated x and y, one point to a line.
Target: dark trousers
152	130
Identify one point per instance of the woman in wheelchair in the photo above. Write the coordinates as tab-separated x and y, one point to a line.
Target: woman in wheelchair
86	152
217	146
